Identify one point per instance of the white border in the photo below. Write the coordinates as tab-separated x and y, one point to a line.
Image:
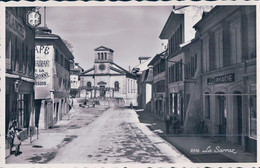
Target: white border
96	3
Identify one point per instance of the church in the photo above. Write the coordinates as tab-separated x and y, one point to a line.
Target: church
108	81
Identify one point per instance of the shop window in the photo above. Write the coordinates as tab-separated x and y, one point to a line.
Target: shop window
207	105
116	86
23	110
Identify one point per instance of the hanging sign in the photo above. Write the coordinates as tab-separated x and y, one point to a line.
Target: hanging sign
33	19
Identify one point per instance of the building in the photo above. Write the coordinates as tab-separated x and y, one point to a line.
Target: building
75	71
52	75
144	89
180	65
19	71
159	80
108	81
229	73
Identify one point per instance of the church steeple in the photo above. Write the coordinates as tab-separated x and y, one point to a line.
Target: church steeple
103	54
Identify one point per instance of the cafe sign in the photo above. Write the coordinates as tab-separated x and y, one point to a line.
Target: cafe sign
221	79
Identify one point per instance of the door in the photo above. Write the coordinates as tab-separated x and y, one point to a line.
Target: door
238	104
222	115
102	91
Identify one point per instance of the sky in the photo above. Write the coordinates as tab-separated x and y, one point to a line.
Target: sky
130	31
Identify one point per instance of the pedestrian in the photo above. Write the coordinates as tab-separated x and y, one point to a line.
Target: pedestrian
17	142
176	125
167	123
11	135
131	105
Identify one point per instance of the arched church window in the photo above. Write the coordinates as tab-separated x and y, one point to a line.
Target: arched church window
88	85
105	56
98	56
102	56
116	86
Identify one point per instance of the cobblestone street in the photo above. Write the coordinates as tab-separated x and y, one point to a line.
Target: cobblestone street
97	135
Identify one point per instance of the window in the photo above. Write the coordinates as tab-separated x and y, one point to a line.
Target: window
128	84
98	56
8	55
219	49
56	55
88	85
207	105
162	65
252	115
251	26
160	86
102	56
105	56
235	42
205	53
116	85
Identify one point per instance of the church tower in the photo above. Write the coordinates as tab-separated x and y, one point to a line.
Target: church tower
103	60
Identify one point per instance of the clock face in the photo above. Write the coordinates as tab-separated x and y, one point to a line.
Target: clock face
102	67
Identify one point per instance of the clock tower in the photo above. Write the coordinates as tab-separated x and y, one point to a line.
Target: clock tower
103	60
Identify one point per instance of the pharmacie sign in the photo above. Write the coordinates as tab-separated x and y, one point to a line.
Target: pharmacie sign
221	79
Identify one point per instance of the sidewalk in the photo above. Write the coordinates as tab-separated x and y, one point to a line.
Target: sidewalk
197	149
45	148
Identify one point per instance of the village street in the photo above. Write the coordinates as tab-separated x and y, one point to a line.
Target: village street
98	135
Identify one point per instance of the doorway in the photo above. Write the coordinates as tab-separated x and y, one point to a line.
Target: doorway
222	111
238	115
102	91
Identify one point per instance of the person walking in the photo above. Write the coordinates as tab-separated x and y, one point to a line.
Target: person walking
17	142
11	135
167	123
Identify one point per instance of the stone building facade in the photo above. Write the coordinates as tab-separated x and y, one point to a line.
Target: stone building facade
108	81
52	75
19	71
229	73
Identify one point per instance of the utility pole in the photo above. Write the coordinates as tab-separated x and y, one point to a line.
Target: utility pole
45	24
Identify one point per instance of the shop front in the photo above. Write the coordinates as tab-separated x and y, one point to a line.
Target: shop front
20	105
177	102
229	99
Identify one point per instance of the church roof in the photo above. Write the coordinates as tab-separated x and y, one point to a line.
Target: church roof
87	71
102	48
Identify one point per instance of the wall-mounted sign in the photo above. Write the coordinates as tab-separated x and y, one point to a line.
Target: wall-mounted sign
42	65
221	79
33	19
14	25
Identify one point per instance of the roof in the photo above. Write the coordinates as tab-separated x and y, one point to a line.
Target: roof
143	66
44	33
169	25
88	70
102	48
158	57
124	70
